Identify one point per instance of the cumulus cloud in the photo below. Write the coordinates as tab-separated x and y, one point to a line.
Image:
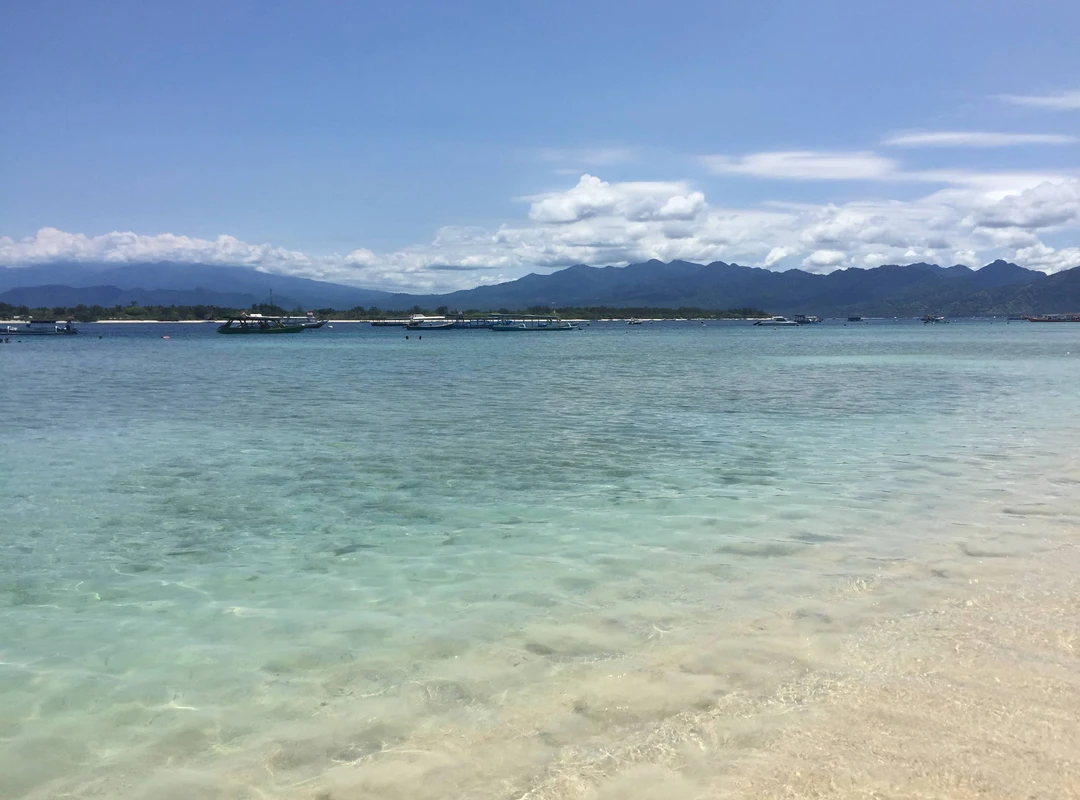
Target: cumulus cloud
1056	101
824	259
974	139
1048	205
635	201
805	165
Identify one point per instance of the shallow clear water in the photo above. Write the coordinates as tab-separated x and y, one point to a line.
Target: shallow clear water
252	567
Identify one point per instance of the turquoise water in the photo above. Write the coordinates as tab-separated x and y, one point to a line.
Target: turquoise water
347	564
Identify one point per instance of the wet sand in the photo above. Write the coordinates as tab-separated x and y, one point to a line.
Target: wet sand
976	698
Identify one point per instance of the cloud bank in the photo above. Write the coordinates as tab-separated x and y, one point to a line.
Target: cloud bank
962	216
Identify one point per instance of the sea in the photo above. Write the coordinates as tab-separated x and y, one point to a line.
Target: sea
368	563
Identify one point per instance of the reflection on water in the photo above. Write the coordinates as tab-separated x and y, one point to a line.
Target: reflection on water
354	566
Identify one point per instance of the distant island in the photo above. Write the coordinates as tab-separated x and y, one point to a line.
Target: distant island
651	288
174	313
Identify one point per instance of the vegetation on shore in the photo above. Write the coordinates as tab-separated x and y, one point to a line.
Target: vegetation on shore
84	313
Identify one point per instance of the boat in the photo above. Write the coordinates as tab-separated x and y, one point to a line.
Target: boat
634	321
420	322
803	319
532	324
1054	318
777	322
309	321
930	318
42	327
257	323
854	319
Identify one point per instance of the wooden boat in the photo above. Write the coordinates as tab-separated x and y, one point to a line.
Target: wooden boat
257	323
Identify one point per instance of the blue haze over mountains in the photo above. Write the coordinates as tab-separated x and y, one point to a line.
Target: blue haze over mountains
888	290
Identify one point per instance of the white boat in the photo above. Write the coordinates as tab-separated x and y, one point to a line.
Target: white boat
422	323
777	322
634	321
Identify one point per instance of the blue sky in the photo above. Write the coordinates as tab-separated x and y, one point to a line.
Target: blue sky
368	143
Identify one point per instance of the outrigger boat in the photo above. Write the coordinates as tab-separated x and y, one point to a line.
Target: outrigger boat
41	327
257	323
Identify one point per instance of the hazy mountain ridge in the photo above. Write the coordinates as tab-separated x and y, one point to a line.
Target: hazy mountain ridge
888	290
206	280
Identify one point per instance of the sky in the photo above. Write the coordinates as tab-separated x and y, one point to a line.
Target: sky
435	146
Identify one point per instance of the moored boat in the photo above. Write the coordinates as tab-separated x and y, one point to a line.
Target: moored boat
42	327
420	322
1054	318
257	323
930	318
777	322
803	319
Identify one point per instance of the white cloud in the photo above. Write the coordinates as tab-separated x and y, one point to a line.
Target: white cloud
805	165
1048	205
974	139
776	255
824	259
633	201
1056	101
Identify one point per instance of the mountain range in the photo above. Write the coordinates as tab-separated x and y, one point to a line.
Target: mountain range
889	290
